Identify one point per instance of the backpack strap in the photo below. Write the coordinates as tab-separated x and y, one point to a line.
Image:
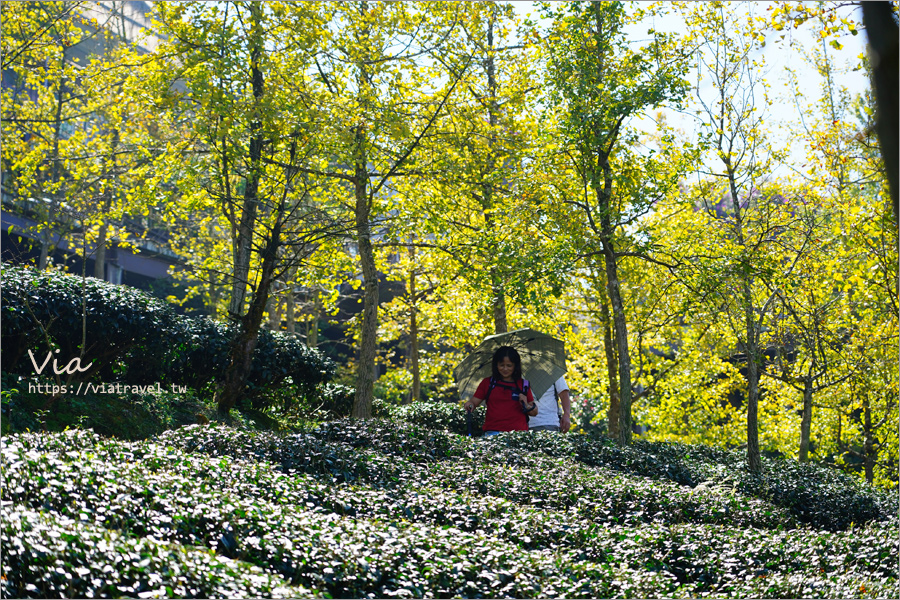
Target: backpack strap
490	389
556	399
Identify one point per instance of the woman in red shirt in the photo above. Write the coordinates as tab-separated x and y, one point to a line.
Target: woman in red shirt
508	399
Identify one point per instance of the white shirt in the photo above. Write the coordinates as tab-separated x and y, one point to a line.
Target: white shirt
549	410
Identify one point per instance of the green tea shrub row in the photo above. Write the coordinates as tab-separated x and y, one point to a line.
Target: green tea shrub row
136	339
342	557
46	555
843	500
815	495
408	539
406	455
38	304
438	416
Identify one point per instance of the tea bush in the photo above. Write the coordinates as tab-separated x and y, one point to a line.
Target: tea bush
42	304
388	509
438	416
136	339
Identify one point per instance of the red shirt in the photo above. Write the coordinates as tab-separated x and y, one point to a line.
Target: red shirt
503	413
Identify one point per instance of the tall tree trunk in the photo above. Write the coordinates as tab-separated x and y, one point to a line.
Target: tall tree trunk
273	307
620	327
751	338
251	202
241	353
500	324
290	310
414	331
870	453
110	175
806	419
754	461
882	31
612	367
56	196
312	328
487	190
214	295
365	369
100	253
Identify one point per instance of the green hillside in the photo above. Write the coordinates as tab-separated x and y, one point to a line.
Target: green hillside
389	508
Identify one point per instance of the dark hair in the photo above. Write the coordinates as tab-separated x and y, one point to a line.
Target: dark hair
510	353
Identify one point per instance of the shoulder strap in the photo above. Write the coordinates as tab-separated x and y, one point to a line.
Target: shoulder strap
556	399
490	389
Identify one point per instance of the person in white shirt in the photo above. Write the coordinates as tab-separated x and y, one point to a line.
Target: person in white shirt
553	415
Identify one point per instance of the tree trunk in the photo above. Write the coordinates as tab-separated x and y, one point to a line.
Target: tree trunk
290	310
312	330
806	419
882	31
414	332
273	307
612	367
869	450
754	462
100	254
621	338
487	191
365	369
55	197
213	306
620	327
251	202
241	353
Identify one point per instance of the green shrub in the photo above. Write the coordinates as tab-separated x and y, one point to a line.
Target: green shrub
438	416
379	509
136	339
51	556
335	400
118	319
813	494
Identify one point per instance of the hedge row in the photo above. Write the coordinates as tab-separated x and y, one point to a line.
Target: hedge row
815	495
136	339
155	512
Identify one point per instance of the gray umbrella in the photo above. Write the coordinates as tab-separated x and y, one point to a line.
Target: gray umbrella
543	361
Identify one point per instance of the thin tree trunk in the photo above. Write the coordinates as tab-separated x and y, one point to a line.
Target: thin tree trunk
213	306
620	327
414	332
499	300
312	330
241	353
290	310
55	197
621	335
251	201
869	445
273	307
365	370
100	253
806	419
612	367
751	338
754	461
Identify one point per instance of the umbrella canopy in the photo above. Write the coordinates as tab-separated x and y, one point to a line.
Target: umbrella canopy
543	361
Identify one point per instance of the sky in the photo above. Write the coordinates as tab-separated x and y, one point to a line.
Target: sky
778	56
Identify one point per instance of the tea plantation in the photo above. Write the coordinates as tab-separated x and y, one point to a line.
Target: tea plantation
392	508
